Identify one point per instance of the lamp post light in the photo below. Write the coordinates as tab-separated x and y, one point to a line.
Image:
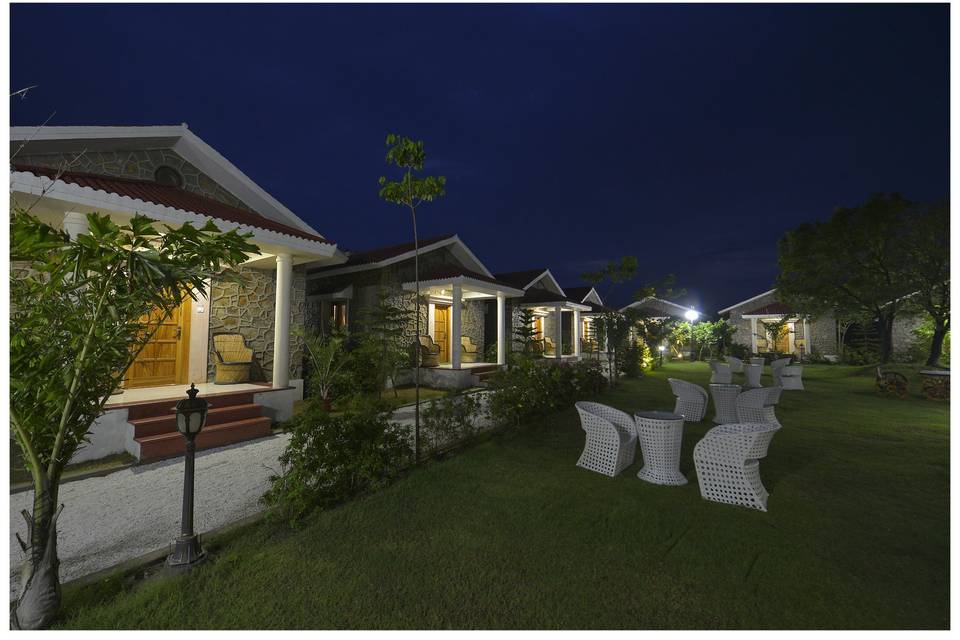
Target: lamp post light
691	315
661	349
191	416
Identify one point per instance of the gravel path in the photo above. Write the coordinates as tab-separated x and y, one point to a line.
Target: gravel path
126	514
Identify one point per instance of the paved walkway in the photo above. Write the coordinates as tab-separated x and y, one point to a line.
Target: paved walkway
126	514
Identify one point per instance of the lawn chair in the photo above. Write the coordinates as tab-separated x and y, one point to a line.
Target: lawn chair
736	364
427	352
757	405
691	399
611	444
791	377
469	351
721	373
728	464
776	367
234	359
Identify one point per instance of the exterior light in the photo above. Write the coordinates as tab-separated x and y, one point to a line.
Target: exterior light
661	349
691	315
191	416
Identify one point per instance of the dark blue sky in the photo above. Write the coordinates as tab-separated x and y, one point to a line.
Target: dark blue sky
690	136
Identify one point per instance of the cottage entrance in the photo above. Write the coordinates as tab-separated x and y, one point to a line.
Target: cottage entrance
441	331
164	359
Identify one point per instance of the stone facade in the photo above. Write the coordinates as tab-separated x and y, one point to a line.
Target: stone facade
823	333
248	308
137	165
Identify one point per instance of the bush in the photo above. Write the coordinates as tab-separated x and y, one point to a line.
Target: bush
922	339
449	420
532	387
859	356
333	457
740	351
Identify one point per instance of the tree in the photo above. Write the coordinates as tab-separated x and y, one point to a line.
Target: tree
927	270
382	345
776	330
80	314
525	334
327	361
615	273
850	265
608	325
654	330
410	192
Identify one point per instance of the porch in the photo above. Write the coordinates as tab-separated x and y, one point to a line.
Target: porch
556	318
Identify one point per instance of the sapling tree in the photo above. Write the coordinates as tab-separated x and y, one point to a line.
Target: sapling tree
410	192
525	333
80	314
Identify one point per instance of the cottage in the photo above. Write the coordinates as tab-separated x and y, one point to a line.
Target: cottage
169	174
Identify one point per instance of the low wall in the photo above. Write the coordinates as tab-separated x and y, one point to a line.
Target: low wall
109	435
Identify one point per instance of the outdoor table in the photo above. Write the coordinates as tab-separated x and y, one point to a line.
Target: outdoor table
725	402
661	434
752	373
936	384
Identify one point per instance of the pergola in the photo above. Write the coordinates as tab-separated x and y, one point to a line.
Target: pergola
453	286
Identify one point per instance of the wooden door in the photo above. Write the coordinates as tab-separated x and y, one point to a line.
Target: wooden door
783	341
441	331
538	328
163	360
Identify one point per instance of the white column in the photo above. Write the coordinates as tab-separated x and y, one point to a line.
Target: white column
753	336
431	319
281	322
576	333
455	330
75	223
501	329
558	332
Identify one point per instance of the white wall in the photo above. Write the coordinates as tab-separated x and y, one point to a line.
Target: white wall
110	434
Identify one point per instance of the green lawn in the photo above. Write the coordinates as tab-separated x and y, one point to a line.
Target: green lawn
511	534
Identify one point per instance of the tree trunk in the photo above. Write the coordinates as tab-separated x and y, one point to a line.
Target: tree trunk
39	601
885	324
936	344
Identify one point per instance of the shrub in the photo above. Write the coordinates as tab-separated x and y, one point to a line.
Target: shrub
860	355
333	457
631	365
738	350
533	387
449	420
922	338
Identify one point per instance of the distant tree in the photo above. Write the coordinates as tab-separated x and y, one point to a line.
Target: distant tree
410	192
382	344
927	270
851	265
776	331
666	289
614	273
608	326
525	333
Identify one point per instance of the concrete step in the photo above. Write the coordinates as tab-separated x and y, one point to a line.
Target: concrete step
143	427
158	408
166	445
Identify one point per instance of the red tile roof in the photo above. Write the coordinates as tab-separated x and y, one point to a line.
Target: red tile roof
451	271
520	279
772	309
170	196
372	256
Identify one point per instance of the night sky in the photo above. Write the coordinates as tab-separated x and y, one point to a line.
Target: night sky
690	136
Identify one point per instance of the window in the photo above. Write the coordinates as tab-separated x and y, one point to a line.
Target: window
168	176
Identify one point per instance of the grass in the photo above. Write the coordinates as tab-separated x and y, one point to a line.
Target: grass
510	534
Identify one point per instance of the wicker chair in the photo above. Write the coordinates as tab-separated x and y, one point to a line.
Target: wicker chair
549	349
791	377
428	351
728	463
721	373
234	359
757	405
891	383
758	360
776	368
468	351
736	364
611	444
691	400
752	373
724	402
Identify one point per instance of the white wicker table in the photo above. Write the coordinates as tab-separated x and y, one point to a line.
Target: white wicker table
661	434
752	373
725	402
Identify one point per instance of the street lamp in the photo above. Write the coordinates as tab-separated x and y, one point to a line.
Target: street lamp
691	315
191	416
661	349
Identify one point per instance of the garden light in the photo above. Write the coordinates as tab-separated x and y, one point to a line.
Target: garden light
691	315
191	416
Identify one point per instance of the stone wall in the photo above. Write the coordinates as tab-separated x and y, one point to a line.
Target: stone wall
138	165
823	334
902	337
248	308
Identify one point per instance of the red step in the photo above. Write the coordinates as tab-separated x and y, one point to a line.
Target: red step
143	427
158	408
166	445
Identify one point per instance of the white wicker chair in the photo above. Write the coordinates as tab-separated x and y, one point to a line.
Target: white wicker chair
721	373
736	364
611	438
691	400
752	374
757	405
728	463
724	402
758	360
776	368
661	437
791	377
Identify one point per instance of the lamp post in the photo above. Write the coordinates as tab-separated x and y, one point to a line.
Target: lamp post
691	315
191	416
660	349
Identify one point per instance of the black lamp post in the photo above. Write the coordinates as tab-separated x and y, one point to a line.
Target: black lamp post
661	349
191	416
